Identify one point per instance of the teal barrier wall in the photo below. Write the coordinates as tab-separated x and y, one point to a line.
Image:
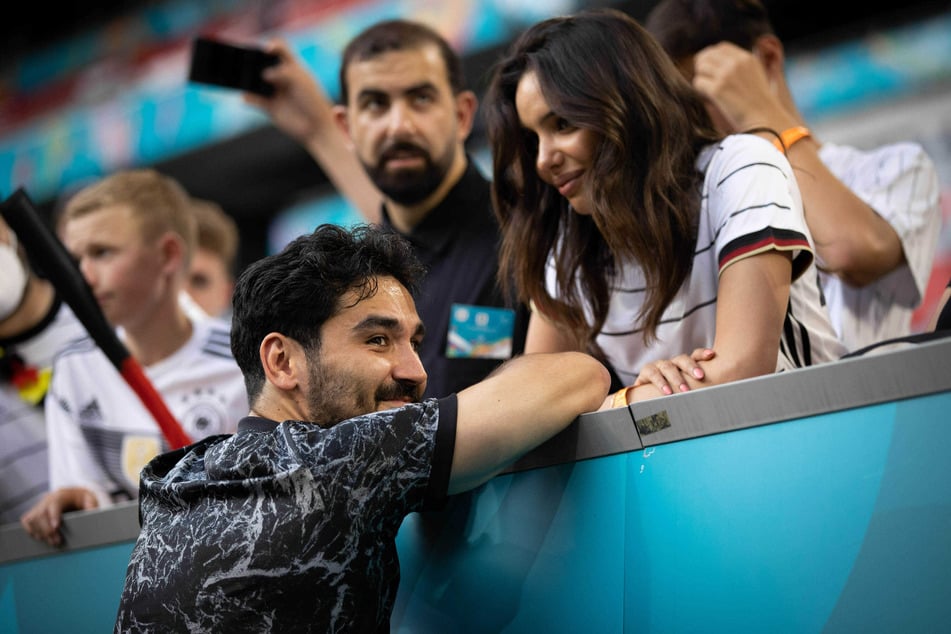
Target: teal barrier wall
837	522
816	501
73	592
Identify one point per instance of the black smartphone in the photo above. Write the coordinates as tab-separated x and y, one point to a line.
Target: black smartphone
223	64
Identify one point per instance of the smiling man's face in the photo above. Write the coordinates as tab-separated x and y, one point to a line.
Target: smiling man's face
369	357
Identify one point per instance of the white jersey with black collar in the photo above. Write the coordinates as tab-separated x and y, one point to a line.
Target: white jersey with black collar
100	432
750	204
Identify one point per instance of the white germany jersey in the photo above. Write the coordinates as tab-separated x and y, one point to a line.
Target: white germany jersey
900	183
100	433
750	204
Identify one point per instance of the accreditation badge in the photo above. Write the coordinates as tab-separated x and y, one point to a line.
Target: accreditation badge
480	332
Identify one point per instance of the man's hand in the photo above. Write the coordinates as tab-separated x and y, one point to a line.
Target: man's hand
302	110
734	80
299	106
43	521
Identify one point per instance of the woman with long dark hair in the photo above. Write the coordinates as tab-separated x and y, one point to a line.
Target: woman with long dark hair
635	230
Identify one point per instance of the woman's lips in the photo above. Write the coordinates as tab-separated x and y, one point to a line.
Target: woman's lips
569	184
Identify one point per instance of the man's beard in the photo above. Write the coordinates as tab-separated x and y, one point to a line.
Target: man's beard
335	395
408	186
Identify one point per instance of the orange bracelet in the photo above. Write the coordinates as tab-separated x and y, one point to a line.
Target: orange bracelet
788	138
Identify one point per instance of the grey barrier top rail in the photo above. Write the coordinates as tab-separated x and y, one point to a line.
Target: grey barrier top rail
906	372
82	529
917	370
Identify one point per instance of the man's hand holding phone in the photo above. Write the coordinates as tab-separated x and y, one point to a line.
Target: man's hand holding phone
223	64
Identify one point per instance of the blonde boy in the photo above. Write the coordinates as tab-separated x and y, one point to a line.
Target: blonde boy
132	234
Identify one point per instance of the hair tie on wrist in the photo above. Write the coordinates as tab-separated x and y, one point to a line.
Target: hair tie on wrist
791	136
620	397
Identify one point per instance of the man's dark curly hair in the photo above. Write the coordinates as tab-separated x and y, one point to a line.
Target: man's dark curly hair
295	291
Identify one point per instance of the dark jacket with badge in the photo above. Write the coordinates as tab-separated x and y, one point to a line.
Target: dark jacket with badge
458	243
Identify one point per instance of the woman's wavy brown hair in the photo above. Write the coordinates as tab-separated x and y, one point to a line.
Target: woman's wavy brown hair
599	70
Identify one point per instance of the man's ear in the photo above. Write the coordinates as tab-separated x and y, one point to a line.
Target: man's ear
770	52
283	361
173	251
466	105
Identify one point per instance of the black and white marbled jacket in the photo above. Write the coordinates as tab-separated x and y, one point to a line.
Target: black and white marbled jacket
285	527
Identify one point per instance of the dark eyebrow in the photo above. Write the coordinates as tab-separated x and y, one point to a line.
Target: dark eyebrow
548	116
367	93
541	120
377	322
426	85
372	322
415	88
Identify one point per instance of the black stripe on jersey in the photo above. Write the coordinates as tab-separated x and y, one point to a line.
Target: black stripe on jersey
218	344
799	355
106	448
739	212
789	351
734	214
220	335
663	322
701	250
216	350
782	238
747	166
806	344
